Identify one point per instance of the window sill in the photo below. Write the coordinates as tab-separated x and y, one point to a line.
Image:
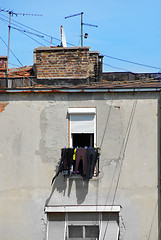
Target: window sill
83	208
80	178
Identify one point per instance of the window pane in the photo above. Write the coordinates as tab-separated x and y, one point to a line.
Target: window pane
75	231
91	231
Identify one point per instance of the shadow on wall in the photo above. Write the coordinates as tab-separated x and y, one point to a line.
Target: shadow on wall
63	184
81	189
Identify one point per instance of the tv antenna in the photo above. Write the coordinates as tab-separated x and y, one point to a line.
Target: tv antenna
11	13
82	23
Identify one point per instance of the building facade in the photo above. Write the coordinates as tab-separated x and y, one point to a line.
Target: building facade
121	201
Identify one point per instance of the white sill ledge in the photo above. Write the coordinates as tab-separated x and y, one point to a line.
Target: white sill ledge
79	177
83	208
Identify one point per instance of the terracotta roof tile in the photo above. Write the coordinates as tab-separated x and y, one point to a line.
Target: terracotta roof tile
20	72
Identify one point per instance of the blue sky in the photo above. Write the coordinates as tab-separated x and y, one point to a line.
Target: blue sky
129	30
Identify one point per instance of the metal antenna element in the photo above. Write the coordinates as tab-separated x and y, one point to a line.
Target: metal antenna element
11	13
91	25
23	14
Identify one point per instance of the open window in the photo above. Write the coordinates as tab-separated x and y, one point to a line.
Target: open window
82	127
82	155
82	140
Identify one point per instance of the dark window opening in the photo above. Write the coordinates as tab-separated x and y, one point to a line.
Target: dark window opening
92	232
75	232
83	140
83	232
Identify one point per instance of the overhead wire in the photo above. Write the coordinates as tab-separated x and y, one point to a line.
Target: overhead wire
115	58
14	64
127	61
11	51
17	60
121	158
116	67
121	155
155	210
30	37
47	35
22	30
27	32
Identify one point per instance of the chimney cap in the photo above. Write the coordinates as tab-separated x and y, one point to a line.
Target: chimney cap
53	48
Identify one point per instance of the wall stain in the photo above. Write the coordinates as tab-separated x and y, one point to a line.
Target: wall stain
2	106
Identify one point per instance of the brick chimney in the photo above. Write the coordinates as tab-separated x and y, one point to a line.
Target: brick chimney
69	63
3	66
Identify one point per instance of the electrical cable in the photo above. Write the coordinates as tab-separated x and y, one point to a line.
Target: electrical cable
31	37
11	52
122	152
17	60
115	58
121	155
21	28
25	30
115	67
14	64
123	60
155	210
39	31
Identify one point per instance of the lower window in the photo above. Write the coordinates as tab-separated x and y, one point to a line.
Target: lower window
83	225
83	232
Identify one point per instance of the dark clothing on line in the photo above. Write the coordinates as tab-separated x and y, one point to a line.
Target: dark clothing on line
85	162
92	155
67	158
66	161
80	156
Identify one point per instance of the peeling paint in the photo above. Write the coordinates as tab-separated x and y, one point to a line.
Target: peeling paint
44	226
2	106
122	228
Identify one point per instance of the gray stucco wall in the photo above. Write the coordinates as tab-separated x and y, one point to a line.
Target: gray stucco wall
33	129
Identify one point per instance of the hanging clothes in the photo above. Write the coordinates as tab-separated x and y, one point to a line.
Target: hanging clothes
66	162
81	160
92	155
67	158
81	157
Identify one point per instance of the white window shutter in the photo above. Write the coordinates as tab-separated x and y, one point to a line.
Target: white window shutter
83	123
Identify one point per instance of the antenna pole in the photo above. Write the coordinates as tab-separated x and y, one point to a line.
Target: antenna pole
81	29
8	83
81	24
9	29
91	25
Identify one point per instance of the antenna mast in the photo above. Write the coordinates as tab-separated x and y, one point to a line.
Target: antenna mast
91	25
10	12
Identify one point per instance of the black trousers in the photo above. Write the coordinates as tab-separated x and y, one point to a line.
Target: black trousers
92	155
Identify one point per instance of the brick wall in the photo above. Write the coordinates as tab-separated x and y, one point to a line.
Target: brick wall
3	66
58	62
66	63
93	65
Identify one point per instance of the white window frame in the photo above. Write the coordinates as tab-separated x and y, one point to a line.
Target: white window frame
81	111
100	209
